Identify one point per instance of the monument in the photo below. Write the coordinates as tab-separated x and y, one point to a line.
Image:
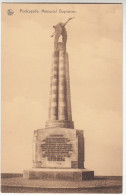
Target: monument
58	149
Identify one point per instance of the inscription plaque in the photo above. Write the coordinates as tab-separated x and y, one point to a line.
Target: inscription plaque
56	148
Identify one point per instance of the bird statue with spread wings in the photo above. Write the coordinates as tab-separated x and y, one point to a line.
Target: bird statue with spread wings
60	30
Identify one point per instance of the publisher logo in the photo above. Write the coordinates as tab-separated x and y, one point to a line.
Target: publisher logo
10	12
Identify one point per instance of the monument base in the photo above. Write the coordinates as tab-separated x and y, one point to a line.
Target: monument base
58	174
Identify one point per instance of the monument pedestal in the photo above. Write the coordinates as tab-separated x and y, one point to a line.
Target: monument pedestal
59	174
58	154
58	148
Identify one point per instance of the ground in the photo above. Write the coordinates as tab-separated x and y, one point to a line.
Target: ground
15	183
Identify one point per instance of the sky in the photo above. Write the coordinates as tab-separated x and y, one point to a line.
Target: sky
94	47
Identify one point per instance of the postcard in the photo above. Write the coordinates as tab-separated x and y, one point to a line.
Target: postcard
61	76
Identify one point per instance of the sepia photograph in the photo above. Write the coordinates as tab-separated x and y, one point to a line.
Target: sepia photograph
61	97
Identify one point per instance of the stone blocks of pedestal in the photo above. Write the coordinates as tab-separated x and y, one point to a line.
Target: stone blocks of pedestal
58	148
59	174
60	123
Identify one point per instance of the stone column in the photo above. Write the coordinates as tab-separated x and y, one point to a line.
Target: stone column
60	102
54	89
62	107
69	113
51	78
